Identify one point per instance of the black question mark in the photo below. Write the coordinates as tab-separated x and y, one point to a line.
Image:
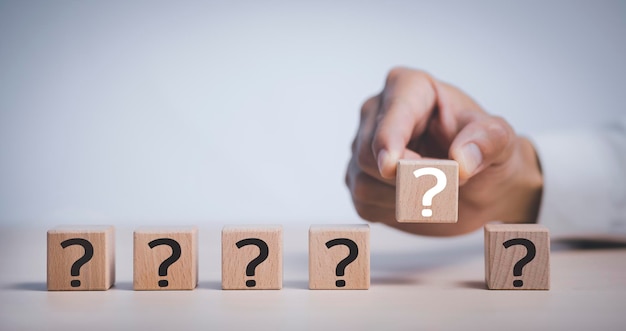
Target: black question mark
341	267
263	253
530	255
75	271
170	260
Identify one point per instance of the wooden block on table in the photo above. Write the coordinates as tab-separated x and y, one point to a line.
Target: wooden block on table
427	191
339	257
517	257
81	258
252	257
165	258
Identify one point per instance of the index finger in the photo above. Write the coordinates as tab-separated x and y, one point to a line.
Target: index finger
407	103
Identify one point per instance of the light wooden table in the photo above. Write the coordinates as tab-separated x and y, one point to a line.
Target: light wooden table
417	284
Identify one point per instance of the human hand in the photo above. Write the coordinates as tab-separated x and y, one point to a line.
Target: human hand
416	116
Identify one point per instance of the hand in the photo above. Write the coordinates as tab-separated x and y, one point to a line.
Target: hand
417	116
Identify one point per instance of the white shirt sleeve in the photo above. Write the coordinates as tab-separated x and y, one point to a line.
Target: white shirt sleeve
584	180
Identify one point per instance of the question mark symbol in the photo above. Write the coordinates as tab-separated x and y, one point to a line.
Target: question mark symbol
175	246
263	253
427	200
341	266
530	255
88	247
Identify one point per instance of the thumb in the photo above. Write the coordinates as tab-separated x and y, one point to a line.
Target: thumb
480	144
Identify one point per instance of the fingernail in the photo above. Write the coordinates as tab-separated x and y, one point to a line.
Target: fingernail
381	159
470	157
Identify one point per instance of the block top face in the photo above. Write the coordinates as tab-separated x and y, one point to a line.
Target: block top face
248	228
515	228
434	162
166	229
340	227
80	229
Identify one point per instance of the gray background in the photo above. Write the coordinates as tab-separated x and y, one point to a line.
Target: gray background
243	112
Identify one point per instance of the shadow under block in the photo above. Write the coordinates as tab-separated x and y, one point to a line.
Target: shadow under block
427	191
339	257
509	260
252	257
165	258
81	258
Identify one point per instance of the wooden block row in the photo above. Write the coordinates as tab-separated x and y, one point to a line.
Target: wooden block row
83	258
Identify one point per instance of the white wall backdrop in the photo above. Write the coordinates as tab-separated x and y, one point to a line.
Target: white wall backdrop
243	112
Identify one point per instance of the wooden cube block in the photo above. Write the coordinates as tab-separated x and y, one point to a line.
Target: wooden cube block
81	258
339	257
165	258
517	257
252	257
427	191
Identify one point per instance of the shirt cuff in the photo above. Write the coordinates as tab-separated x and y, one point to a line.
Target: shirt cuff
578	170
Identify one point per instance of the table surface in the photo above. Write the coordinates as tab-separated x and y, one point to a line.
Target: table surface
416	283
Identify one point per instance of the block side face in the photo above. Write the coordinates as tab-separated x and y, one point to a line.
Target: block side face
110	257
324	261
137	265
279	259
535	275
488	259
366	267
312	258
93	275
545	276
225	257
421	196
148	263
495	227
268	274
194	262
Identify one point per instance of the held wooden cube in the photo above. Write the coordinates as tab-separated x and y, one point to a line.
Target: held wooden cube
252	257
165	258
339	257
81	258
517	257
427	191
